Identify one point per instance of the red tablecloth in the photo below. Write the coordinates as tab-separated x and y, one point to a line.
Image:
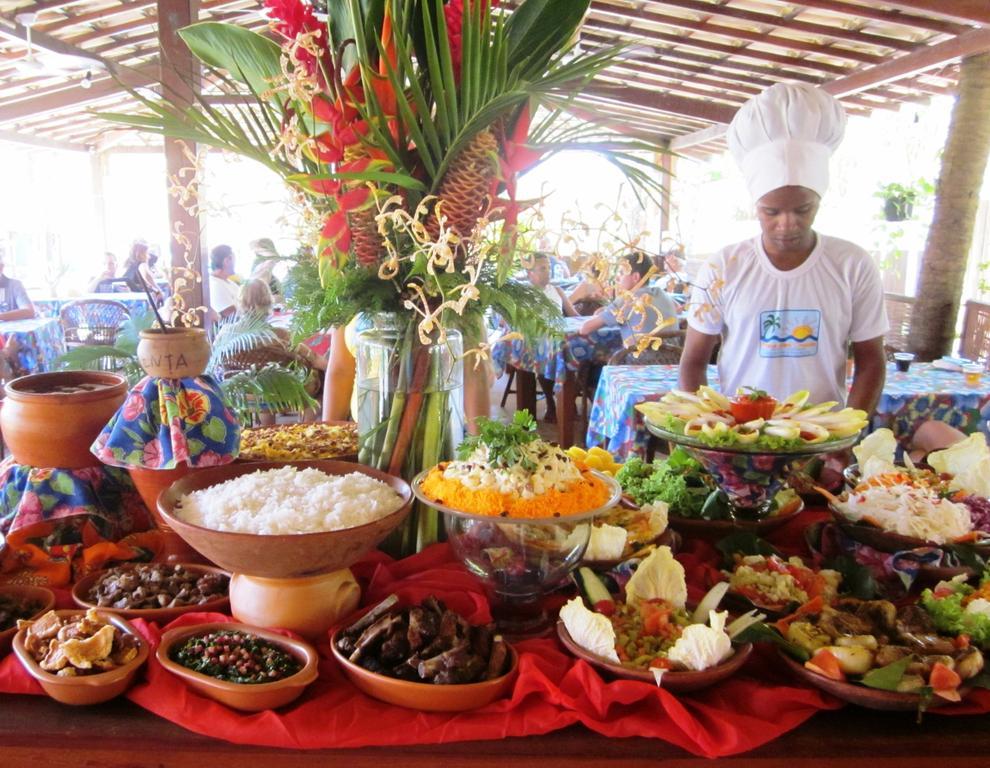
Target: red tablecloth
553	690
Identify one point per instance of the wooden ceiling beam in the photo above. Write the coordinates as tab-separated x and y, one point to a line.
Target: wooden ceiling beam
880	14
48	5
85	18
711	111
967	44
971	11
783	24
42	41
40	141
74	96
646	36
769	37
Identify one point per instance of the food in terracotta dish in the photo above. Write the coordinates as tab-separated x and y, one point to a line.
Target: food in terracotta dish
508	471
880	645
156	585
235	657
298	442
74	645
961	610
15	607
775	584
426	643
289	500
711	419
653	627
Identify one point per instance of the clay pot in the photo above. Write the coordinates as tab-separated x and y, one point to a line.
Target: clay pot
308	606
178	354
149	484
44	427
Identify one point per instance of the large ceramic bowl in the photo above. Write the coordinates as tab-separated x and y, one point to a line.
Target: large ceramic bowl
51	419
427	696
281	556
889	541
85	689
21	594
81	596
750	477
519	560
247	697
677	682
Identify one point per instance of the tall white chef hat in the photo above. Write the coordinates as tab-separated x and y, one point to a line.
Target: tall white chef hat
784	137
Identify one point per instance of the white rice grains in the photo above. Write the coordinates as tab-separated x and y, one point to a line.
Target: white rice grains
289	500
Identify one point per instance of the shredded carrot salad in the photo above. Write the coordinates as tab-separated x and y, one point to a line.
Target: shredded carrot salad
586	494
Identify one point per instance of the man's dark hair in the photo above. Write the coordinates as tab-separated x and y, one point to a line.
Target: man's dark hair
219	254
539	256
639	262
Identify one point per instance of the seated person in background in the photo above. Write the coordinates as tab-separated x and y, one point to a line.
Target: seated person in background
936	435
102	282
266	257
623	312
223	291
132	267
14	301
539	275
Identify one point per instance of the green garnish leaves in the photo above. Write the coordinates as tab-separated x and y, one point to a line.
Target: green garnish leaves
752	394
503	441
889	677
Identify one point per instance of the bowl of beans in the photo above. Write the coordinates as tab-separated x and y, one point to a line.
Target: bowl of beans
154	591
247	668
21	601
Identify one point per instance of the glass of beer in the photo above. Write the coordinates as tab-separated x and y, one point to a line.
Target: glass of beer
973	374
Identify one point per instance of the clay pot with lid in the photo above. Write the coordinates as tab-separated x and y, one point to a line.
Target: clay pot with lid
51	419
174	353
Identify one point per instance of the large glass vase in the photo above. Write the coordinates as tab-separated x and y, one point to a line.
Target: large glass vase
409	412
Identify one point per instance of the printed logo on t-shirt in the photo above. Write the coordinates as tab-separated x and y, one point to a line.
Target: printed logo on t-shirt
789	332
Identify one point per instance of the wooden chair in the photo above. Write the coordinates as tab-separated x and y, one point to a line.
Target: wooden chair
975	342
899	310
92	321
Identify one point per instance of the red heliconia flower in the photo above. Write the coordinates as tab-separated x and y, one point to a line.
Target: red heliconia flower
453	12
292	17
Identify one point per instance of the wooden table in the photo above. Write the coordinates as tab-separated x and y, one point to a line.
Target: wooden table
35	731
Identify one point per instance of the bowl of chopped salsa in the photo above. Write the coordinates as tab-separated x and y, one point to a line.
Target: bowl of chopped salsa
247	668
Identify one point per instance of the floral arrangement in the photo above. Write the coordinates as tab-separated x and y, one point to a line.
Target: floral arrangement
401	126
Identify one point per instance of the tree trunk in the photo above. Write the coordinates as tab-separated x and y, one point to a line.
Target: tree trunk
957	196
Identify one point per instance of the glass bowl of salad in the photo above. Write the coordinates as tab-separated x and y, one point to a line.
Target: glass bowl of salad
245	667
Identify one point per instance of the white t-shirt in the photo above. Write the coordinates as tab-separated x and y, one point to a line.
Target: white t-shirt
783	331
223	293
553	293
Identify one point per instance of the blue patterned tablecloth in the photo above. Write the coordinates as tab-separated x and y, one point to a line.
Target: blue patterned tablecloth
907	400
554	359
136	303
39	342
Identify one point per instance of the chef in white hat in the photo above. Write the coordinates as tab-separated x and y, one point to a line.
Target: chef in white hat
788	303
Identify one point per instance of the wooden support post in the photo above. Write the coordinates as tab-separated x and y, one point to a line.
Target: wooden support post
179	75
666	163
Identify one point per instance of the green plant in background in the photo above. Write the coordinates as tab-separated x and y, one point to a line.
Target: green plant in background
899	199
278	387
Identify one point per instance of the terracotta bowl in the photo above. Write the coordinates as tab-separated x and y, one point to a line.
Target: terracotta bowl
24	592
31	417
85	689
247	697
80	594
860	695
888	541
675	682
283	556
426	696
717	529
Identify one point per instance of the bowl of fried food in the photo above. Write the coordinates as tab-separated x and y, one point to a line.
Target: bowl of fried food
154	591
18	602
425	657
80	657
300	442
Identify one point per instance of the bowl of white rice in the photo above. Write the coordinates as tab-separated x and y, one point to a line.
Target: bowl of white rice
285	519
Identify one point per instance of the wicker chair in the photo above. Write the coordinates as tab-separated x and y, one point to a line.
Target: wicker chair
899	310
668	354
975	342
92	321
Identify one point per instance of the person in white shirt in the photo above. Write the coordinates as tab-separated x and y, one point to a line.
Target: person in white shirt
539	276
223	291
788	303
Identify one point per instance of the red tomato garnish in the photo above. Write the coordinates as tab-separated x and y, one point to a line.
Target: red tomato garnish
944	681
659	663
825	663
961	642
747	409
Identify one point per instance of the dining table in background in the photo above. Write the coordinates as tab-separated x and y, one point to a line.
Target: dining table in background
559	360
38	342
923	393
136	302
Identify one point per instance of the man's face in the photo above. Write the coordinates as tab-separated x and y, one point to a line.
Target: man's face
539	274
786	216
228	264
